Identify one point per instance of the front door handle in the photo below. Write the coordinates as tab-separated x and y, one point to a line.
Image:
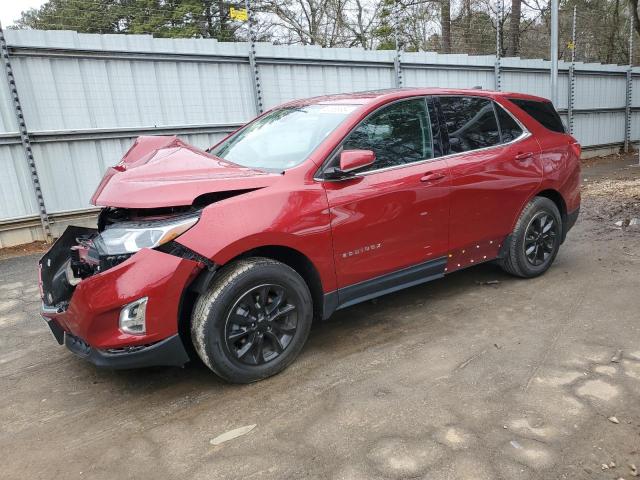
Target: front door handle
522	156
430	177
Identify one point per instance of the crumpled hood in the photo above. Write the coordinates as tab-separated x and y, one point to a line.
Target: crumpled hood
164	171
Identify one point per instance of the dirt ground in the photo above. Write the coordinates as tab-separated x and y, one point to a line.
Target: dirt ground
457	379
22	250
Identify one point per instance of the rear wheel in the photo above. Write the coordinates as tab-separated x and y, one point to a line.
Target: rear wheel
253	321
534	243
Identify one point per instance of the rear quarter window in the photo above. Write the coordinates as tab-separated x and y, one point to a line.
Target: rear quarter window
509	128
542	112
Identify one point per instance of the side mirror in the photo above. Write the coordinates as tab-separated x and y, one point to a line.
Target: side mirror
351	160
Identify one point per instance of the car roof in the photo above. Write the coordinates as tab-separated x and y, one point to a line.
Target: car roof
375	96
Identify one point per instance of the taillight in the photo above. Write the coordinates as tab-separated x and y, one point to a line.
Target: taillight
575	148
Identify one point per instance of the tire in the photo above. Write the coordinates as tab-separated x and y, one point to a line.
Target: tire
253	321
519	259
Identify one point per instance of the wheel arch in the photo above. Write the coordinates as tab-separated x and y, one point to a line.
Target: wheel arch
297	261
552	194
291	257
556	197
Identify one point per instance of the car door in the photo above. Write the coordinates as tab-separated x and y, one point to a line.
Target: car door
495	168
394	213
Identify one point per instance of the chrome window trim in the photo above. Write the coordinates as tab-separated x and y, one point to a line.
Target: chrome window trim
524	135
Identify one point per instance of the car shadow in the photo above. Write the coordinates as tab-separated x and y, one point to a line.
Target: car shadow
327	338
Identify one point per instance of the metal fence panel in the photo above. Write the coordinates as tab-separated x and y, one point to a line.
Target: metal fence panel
635	92
600	91
16	193
67	93
282	83
7	115
68	179
601	128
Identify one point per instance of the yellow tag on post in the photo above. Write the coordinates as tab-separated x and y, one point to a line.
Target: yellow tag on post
239	14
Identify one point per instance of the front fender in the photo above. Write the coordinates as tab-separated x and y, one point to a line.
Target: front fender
295	219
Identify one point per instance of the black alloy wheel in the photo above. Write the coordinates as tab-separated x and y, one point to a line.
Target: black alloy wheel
253	320
261	324
540	238
534	243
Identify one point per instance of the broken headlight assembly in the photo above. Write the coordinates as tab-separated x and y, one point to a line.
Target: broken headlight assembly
83	252
128	237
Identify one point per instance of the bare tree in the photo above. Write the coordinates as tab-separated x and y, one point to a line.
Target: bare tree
419	25
362	18
514	28
445	21
310	22
633	6
467	14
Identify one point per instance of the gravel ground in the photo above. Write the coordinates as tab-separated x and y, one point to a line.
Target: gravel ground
457	379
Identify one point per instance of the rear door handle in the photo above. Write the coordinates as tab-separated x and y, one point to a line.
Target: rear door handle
430	177
522	156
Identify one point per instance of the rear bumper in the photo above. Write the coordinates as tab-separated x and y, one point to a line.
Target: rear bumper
570	221
168	352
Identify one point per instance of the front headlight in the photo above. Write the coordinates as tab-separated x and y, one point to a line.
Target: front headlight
129	237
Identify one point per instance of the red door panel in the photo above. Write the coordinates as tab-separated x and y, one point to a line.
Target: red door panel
388	220
489	188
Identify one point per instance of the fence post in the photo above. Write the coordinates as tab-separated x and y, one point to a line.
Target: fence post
255	72
24	137
397	60
497	79
629	96
554	52
572	74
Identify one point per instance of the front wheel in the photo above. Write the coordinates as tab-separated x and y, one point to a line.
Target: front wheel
253	321
531	248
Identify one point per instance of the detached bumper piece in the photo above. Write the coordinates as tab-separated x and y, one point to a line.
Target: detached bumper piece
169	352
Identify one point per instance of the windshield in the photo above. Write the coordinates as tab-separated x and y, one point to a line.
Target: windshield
283	138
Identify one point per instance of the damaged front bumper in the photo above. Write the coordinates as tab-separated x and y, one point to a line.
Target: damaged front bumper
85	316
168	352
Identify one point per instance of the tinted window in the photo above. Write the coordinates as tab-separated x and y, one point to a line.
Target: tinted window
509	128
543	112
471	123
397	134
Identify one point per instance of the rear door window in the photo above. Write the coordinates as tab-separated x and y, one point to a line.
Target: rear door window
398	134
543	112
509	128
471	123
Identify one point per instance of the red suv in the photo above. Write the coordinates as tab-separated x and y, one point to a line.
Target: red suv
229	254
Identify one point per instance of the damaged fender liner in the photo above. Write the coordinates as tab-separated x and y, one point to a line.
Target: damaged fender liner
167	352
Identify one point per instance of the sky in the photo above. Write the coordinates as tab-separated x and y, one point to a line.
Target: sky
10	9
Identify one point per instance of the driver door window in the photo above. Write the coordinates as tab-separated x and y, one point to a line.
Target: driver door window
397	134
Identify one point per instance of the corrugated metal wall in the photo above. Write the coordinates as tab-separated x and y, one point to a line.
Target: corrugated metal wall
85	97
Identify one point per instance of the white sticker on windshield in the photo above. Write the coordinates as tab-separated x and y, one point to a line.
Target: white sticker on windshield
343	109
